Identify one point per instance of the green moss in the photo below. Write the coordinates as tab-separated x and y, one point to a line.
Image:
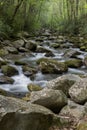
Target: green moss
34	87
74	63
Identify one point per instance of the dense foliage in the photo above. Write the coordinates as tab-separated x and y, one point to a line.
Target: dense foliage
31	15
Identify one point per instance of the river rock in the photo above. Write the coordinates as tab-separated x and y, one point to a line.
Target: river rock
16	114
18	43
85	60
74	110
34	87
28	70
9	70
78	92
31	45
2	62
52	99
12	50
55	45
63	83
22	49
3	52
71	53
6	80
49	66
74	63
41	49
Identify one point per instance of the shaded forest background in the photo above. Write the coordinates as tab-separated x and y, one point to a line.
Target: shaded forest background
63	16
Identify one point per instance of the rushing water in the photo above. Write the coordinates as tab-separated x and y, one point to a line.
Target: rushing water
21	81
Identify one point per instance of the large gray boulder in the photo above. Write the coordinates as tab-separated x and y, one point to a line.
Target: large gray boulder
63	83
52	99
78	92
16	114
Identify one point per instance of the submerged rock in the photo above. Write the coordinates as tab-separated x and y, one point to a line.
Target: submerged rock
49	66
52	99
9	70
63	83
17	114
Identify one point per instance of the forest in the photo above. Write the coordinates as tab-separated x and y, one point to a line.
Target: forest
64	16
43	64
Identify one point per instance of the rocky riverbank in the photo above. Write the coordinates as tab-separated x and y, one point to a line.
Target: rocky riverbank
49	75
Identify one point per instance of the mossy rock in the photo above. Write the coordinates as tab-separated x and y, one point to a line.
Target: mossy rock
74	63
3	52
49	66
55	45
82	126
18	62
9	70
28	70
83	48
2	62
34	87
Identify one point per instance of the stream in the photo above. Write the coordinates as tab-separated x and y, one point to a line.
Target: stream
21	81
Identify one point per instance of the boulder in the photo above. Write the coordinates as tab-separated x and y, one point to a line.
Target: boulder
78	92
63	83
22	49
28	70
9	70
17	114
72	53
2	62
3	52
6	93
55	45
31	45
6	80
85	60
52	99
18	43
12	50
41	49
73	110
48	66
74	63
